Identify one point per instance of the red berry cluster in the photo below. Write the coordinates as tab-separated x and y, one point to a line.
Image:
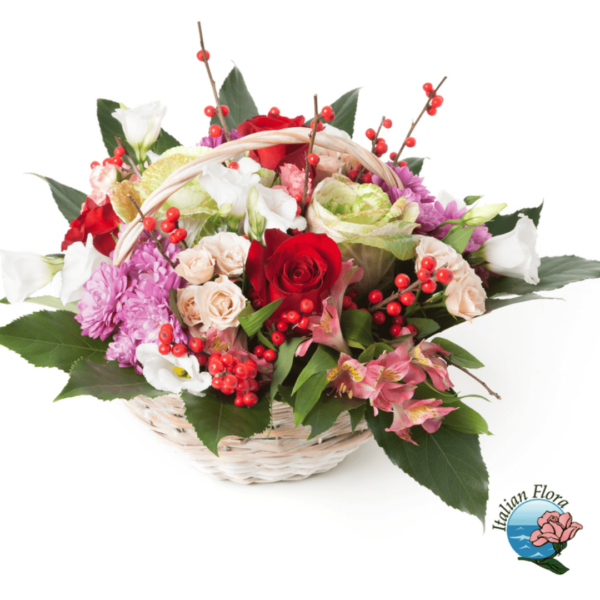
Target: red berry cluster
435	100
169	225
290	319
166	346
116	160
211	111
266	353
232	376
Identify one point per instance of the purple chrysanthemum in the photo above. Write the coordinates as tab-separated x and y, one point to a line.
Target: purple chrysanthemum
211	142
148	264
102	301
410	182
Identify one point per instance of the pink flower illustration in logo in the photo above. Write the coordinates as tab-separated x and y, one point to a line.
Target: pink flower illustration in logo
554	529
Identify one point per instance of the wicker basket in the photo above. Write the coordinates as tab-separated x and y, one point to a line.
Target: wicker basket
284	453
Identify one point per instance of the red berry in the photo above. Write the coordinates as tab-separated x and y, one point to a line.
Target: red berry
277	338
282	326
399	320
252	368
173	239
423	274
346	302
330	118
119	151
210	111
227	360
217	382
307	305
259	351
353	174
429	263
274	112
387	123
241	371
394	308
395	330
250	399
224	109
257	303
230	380
215	131
378	318
196	345
402	281
149	223
270	355
252	385
233	165
167	327
107	161
326	111
393	155
117	160
370	133
353	293
293	316
298	198
444	275
313	159
179	350
303	323
408	298
375	296
429	286
202	359
380	140
202	54
215	356
167	226
173	214
94	164
180	234
367	178
432	111
410	142
381	147
427	87
437	101
243	385
165	336
353	306
412	329
403	163
239	401
320	125
164	349
215	366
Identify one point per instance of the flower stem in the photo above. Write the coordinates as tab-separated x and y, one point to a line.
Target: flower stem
310	149
476	379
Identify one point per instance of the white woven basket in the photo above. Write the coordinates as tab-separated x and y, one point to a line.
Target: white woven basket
284	453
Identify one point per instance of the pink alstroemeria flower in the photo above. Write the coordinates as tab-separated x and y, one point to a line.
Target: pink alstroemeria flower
554	529
350	377
385	374
425	360
427	413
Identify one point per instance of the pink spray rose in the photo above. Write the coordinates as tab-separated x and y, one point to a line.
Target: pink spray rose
554	529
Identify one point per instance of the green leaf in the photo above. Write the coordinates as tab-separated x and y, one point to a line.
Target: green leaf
548	563
327	411
447	462
323	359
164	142
471	200
308	395
252	323
495	303
401	246
345	111
68	200
356	415
284	362
374	351
505	223
106	382
356	328
265	341
479	215
49	301
425	327
466	419
174	308
51	339
554	272
235	95
414	164
459	237
214	419
460	356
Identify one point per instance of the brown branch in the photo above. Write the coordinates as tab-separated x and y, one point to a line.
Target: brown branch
373	144
476	379
412	127
310	149
214	87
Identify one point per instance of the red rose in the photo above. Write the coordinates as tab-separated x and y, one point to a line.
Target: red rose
100	221
293	268
274	156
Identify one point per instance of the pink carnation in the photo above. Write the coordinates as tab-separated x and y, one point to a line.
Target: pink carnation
292	180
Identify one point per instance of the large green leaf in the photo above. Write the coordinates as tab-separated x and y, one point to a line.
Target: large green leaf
554	272
447	462
466	419
356	328
495	303
308	395
401	246
425	327
323	359
235	95
164	142
68	200
460	356
414	164
326	412
357	415
505	223
345	112
374	351
254	321
50	302
213	419
106	382
459	237
51	339
284	362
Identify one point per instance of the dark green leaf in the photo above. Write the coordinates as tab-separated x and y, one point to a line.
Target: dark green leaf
308	395
235	95
505	223
471	200
283	364
164	142
402	246
327	411
374	351
356	415
548	563
426	390
459	237
322	360
447	462
106	382
356	328
49	301
425	327
265	341
51	339
214	419
466	419
345	111
460	356
252	323
495	303
414	164
68	200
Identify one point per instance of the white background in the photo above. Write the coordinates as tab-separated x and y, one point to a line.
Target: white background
92	506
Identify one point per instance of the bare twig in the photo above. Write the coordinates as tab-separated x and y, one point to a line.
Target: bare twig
412	127
214	87
476	379
310	149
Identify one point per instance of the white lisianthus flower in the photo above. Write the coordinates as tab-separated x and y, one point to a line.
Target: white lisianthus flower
24	273
170	373
513	254
141	125
80	262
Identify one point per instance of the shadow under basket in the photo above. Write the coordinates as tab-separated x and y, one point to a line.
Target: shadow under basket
283	454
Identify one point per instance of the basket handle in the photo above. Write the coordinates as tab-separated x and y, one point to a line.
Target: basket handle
255	141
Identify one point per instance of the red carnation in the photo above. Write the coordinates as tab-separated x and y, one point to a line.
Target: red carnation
274	156
293	268
100	221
